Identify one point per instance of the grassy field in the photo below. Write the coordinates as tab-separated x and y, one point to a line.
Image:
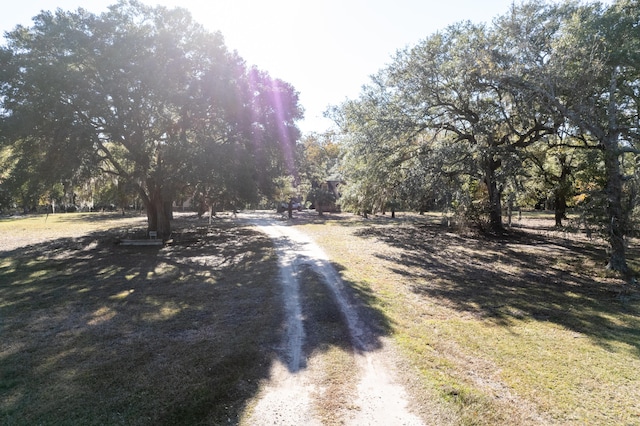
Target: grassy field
522	329
95	333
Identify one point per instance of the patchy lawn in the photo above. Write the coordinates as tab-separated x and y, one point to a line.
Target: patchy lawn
96	333
522	329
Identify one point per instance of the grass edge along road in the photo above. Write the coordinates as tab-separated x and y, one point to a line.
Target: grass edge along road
524	329
519	330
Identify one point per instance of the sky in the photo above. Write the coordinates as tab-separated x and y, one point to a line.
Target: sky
326	49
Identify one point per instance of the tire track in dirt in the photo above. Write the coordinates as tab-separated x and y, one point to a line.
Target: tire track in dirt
288	398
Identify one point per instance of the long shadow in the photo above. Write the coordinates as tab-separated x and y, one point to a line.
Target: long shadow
96	333
517	276
373	323
334	312
328	327
348	320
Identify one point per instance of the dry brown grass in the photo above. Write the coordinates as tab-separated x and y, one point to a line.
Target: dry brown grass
95	333
329	349
522	329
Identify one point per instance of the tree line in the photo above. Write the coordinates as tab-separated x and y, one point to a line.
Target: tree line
542	103
144	101
538	107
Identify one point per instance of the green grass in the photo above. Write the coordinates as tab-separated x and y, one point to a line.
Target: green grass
95	333
526	329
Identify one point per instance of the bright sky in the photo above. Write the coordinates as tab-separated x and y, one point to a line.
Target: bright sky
326	49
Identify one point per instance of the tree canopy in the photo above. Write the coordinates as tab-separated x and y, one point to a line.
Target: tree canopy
146	95
460	119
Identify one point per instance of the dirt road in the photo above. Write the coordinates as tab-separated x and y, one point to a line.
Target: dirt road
288	399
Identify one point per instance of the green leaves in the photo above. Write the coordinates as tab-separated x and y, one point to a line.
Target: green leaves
462	108
147	95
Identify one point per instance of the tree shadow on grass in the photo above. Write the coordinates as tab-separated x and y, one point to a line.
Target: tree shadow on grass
95	333
517	276
349	320
317	294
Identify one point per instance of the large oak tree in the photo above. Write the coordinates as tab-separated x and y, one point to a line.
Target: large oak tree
591	77
145	94
449	90
469	101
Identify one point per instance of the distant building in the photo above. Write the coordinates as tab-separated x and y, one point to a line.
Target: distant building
332	185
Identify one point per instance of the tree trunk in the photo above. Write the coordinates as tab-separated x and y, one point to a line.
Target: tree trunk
157	217
495	195
510	207
168	209
615	212
560	207
562	191
152	216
